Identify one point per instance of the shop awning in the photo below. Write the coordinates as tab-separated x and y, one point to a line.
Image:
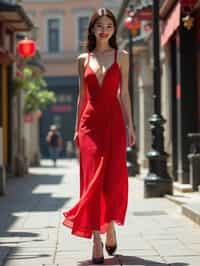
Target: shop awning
15	16
171	24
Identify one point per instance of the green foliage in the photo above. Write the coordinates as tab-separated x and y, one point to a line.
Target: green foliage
37	96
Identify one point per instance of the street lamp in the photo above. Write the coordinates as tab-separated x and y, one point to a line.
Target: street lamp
132	26
157	183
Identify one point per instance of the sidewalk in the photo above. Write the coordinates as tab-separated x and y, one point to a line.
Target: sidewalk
32	234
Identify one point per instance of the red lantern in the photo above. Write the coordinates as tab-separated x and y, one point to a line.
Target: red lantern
26	48
128	23
136	24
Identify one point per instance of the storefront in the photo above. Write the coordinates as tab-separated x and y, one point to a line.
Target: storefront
62	113
12	19
181	34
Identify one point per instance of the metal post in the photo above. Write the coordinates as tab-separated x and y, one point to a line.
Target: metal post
157	183
2	167
179	112
132	165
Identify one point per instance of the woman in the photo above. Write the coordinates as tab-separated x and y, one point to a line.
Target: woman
103	129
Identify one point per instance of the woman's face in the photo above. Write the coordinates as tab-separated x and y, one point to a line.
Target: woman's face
103	28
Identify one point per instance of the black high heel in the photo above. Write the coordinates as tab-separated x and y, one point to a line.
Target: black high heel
111	249
98	260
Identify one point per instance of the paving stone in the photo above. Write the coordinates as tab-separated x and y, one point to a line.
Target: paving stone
137	252
4	251
177	252
167	243
37	243
183	260
159	236
9	240
28	261
195	246
134	243
84	261
189	238
31	251
192	210
142	260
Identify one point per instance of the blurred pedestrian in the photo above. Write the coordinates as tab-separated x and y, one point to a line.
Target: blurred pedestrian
55	143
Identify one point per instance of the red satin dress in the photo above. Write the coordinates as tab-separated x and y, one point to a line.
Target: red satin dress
102	144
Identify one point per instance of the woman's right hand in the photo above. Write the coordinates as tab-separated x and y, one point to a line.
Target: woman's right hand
75	139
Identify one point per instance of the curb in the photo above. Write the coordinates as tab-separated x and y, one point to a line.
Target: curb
190	210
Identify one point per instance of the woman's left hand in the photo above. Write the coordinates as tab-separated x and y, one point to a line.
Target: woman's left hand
131	138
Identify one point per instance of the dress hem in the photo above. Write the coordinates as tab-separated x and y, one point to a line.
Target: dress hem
88	234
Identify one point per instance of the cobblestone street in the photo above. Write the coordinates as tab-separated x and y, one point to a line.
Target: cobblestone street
31	230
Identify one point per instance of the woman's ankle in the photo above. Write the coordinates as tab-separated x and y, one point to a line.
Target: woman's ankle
96	236
110	227
111	235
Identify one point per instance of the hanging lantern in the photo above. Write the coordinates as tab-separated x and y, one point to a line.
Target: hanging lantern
26	48
136	24
128	23
132	23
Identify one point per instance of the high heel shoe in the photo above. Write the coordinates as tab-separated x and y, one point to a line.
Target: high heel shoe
98	260
111	249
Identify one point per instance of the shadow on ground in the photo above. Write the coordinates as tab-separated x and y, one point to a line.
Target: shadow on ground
23	198
131	260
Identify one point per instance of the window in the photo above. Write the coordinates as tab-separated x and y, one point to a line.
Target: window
53	33
9	1
82	31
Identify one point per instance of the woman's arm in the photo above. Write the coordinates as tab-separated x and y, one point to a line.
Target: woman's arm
124	96
81	95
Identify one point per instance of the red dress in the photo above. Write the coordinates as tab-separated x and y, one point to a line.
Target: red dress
102	144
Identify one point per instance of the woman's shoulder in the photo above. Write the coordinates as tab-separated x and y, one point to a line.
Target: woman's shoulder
82	56
123	57
122	54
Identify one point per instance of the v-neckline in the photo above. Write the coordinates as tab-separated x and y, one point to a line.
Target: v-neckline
100	84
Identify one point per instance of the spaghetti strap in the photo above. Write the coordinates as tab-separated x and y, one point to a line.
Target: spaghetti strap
88	59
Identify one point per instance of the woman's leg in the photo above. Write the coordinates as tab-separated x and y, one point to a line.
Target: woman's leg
111	235
97	245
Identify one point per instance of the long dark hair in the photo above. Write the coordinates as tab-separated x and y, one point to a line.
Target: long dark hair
91	39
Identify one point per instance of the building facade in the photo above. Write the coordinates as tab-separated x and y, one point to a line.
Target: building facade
61	37
13	19
180	41
179	57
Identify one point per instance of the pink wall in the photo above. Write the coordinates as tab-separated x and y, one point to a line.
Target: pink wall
65	63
